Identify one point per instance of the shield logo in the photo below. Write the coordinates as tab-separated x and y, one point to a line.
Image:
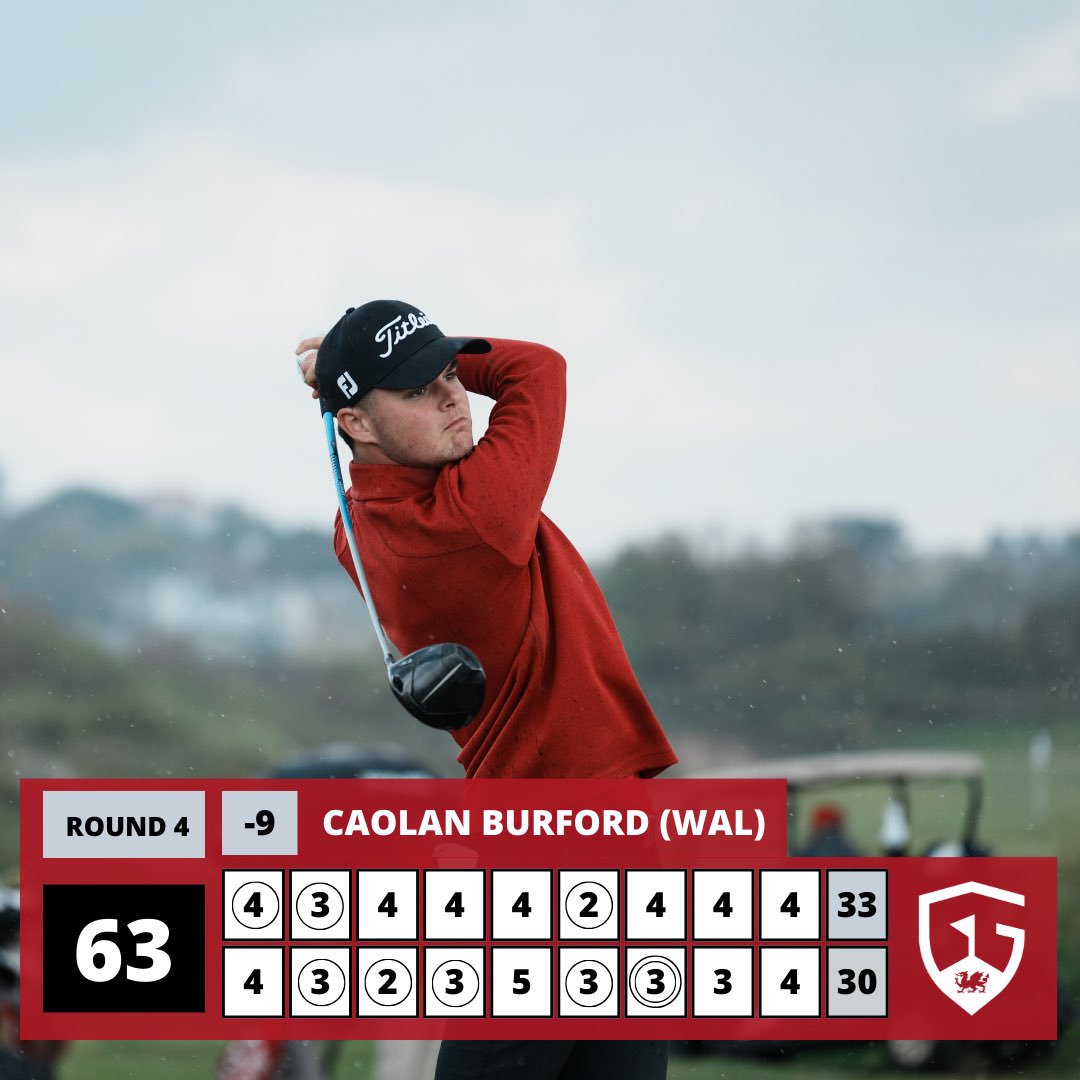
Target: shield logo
971	982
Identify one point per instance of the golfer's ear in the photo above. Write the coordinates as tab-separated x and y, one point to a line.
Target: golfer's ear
357	425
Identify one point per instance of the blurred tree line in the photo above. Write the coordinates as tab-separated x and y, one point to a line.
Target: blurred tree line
848	639
845	638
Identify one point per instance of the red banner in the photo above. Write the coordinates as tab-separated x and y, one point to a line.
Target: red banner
372	909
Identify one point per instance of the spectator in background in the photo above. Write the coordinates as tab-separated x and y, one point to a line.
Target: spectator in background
828	837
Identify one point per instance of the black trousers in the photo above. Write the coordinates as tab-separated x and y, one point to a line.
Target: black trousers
550	1060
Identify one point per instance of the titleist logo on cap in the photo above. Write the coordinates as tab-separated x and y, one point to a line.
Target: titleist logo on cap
409	324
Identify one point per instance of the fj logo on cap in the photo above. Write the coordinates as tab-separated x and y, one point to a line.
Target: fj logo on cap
347	384
409	325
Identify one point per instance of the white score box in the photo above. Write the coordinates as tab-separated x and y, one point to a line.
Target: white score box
588	904
387	905
790	905
521	981
723	905
319	981
252	980
455	982
790	981
386	982
655	982
588	981
521	905
252	906
454	905
655	904
724	981
320	904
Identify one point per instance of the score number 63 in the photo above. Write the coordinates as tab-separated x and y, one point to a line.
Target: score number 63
100	959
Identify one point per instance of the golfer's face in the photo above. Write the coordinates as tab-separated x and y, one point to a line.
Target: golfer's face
431	425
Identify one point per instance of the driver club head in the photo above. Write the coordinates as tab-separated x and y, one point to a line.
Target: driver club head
441	685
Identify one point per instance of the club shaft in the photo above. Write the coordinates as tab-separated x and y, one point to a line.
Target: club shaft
350	535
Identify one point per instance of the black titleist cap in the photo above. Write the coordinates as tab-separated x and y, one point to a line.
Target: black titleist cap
387	344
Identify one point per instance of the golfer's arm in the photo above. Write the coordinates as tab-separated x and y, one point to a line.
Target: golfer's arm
502	484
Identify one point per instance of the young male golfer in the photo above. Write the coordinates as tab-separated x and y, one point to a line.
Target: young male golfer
456	548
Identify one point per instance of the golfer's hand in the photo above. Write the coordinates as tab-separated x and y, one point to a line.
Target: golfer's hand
306	352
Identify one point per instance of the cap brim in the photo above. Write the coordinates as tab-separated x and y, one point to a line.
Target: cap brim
428	362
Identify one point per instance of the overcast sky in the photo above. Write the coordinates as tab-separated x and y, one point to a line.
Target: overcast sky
803	258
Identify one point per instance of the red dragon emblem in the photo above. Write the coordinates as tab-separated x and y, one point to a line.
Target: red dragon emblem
969	982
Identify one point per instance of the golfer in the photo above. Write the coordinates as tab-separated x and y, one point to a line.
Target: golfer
457	548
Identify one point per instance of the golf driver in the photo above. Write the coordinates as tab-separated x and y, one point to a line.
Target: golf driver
441	685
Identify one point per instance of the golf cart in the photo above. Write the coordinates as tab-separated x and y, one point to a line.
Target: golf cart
901	773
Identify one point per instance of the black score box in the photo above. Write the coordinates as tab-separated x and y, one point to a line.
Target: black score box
123	948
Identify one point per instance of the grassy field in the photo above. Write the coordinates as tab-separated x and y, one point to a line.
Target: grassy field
181	1061
1022	815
